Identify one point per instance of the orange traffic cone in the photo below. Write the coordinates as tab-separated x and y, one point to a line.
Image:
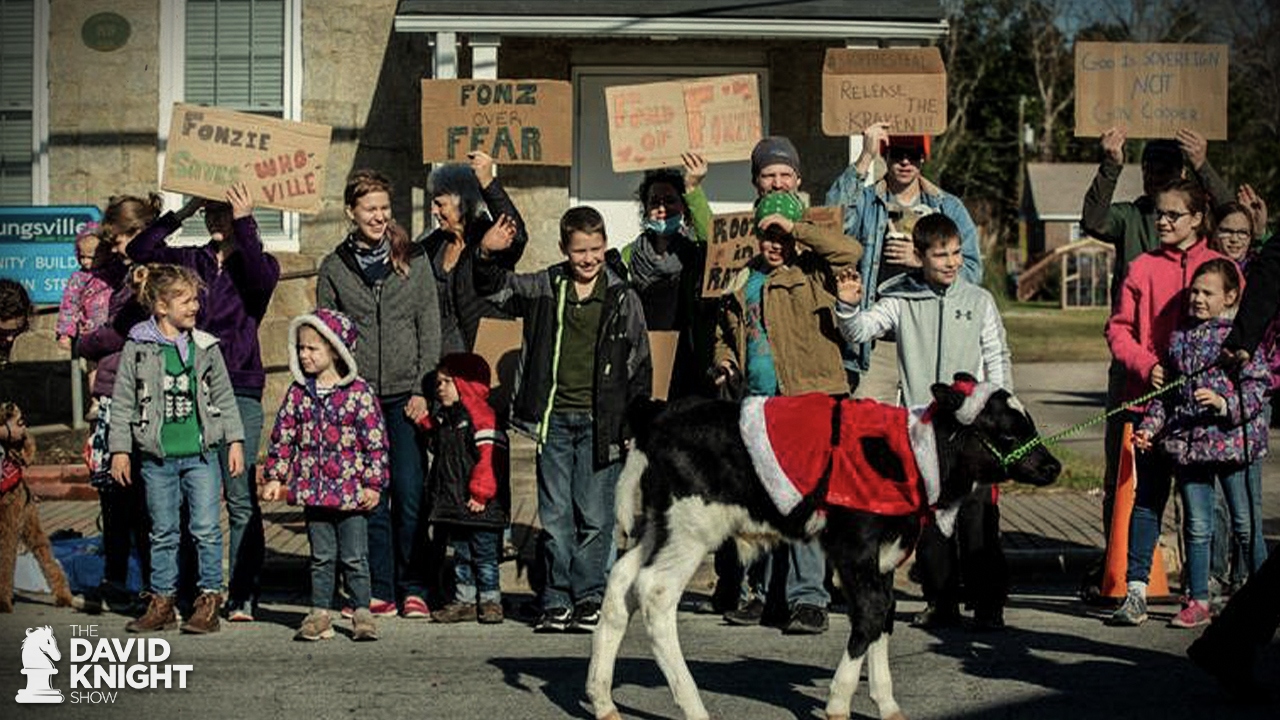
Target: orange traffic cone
1113	579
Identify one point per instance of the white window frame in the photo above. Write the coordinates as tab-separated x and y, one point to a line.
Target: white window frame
40	103
173	53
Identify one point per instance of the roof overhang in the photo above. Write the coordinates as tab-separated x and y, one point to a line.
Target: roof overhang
674	27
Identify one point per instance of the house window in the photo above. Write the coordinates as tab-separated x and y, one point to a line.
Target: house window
17	101
235	58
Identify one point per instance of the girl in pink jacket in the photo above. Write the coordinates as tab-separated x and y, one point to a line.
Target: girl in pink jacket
1152	301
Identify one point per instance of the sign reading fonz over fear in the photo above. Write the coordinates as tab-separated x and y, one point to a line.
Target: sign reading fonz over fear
517	122
282	162
650	125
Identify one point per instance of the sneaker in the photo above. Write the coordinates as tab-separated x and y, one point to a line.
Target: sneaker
806	620
586	615
1195	614
936	616
490	613
454	612
554	620
316	626
382	608
1133	612
414	607
240	612
363	628
748	614
348	612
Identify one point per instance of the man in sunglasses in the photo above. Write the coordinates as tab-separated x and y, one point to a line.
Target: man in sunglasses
881	216
15	316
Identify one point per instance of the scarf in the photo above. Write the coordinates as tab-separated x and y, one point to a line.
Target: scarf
367	256
648	267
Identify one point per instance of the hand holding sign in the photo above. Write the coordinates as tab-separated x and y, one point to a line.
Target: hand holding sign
482	166
1113	144
695	170
1194	146
240	200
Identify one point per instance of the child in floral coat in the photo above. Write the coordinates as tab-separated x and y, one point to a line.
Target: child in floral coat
1212	427
329	445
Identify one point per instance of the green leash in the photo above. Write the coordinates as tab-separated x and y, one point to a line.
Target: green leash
1020	452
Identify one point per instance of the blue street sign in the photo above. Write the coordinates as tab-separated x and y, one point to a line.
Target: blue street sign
37	246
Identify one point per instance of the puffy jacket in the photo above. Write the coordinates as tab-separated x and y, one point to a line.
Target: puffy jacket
866	218
623	367
799	315
137	402
398	318
1152	302
1190	433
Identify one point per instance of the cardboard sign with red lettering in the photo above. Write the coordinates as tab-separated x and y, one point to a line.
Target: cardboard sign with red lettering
1151	90
733	243
282	162
650	125
518	122
905	87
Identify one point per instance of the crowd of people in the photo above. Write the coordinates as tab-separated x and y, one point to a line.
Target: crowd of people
388	438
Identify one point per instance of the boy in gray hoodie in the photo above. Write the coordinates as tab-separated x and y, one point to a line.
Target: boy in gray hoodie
944	325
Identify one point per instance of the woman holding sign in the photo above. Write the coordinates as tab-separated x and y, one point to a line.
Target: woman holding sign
460	196
383	281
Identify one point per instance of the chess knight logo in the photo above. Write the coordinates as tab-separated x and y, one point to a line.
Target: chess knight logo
39	652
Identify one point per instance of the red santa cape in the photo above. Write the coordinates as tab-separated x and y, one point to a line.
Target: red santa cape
790	443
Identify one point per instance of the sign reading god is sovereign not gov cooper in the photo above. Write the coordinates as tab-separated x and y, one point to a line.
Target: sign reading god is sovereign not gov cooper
282	162
517	122
1151	89
905	87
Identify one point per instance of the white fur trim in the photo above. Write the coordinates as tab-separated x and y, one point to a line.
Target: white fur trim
330	337
972	406
755	434
924	445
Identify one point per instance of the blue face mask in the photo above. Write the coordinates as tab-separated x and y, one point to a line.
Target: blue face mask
669	226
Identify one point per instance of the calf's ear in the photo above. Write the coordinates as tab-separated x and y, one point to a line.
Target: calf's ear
947	397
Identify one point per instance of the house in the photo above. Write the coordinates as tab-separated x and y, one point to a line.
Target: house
1054	198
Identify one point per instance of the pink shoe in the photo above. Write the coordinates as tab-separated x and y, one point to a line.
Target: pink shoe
1195	614
382	608
414	607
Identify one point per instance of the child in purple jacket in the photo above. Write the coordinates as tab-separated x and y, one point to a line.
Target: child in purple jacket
239	278
1212	427
329	445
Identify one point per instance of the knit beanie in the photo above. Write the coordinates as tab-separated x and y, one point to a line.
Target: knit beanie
774	150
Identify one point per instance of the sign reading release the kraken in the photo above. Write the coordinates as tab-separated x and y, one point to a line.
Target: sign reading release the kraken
283	162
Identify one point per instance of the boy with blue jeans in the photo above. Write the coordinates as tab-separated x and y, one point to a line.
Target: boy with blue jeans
585	356
944	325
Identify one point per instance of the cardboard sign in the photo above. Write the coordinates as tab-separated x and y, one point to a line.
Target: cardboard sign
662	352
518	122
282	162
905	87
1151	89
38	248
651	125
733	243
498	342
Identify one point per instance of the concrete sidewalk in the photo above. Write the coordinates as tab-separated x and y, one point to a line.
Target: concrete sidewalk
1044	531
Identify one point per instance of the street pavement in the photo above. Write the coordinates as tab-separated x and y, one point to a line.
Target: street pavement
1056	660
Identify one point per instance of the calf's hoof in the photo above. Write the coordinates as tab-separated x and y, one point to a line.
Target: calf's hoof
897	716
613	715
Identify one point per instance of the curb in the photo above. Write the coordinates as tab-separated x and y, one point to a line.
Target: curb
60	482
1052	561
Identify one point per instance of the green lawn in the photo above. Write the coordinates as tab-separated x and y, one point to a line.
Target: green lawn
1040	332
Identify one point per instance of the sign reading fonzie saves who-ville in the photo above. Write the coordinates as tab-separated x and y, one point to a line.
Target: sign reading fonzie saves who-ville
281	161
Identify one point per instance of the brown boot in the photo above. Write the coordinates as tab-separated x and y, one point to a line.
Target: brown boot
160	615
204	616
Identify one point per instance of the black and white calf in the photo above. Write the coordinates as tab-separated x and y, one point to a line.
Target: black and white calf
701	483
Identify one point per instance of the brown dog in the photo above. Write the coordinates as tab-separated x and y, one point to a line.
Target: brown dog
19	517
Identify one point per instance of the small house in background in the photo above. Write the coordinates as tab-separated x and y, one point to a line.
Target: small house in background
1054	196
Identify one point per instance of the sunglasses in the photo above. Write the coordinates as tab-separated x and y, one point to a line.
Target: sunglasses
898	154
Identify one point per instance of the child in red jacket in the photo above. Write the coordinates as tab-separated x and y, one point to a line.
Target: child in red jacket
469	486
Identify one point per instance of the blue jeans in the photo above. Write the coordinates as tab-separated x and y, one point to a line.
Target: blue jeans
475	563
397	547
244	514
575	508
338	537
1197	483
169	482
1154	476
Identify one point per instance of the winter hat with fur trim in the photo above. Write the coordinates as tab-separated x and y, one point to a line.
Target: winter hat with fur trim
337	330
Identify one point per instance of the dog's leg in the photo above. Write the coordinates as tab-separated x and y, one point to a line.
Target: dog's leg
659	587
9	520
879	681
615	613
36	541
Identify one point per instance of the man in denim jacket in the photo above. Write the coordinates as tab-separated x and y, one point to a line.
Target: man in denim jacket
880	216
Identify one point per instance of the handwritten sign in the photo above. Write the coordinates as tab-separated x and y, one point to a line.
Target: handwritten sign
651	125
1151	89
905	87
282	162
518	122
733	243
